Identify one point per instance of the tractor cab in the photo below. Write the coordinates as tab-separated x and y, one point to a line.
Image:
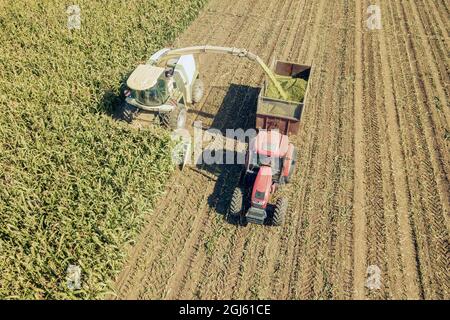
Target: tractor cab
162	94
153	93
148	86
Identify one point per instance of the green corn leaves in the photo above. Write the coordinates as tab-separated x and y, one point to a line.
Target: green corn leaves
75	185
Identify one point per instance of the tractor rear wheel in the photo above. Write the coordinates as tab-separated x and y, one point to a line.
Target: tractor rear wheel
237	204
280	212
292	168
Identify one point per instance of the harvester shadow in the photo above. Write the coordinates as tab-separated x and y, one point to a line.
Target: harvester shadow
112	103
237	111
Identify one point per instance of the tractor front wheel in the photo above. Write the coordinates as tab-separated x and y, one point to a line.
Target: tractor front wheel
280	212
175	119
237	204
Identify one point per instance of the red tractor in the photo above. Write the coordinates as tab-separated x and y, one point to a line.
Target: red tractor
270	162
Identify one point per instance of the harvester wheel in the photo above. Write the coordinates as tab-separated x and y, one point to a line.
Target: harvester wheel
237	203
280	212
198	88
134	116
176	119
126	112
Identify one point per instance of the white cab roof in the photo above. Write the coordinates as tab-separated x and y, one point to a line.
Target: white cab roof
144	77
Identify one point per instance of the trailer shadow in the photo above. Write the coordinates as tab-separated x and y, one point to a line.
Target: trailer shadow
237	111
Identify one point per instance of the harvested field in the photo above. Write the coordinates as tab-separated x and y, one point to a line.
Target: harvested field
372	187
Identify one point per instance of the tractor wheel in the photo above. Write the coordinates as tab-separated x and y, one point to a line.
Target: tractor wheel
280	212
198	88
126	112
136	117
292	168
237	204
176	119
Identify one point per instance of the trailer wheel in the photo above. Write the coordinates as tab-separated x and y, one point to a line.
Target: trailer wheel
175	119
280	212
198	88
237	204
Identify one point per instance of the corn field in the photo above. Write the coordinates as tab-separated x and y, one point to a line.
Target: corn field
76	185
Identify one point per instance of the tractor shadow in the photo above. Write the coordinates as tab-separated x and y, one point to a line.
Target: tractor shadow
237	111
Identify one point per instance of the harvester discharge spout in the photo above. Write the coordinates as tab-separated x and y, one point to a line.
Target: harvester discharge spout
241	53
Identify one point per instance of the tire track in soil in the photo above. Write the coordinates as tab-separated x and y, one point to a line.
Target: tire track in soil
376	227
444	8
314	283
435	78
294	34
435	189
443	22
421	178
393	264
337	275
298	242
440	121
272	254
388	193
325	287
438	40
359	210
312	280
287	237
400	190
